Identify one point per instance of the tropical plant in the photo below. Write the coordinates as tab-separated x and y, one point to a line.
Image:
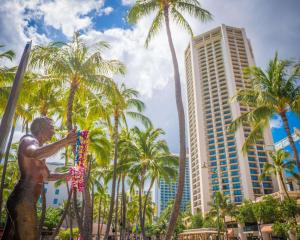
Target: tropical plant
166	9
220	207
154	162
273	92
278	166
121	103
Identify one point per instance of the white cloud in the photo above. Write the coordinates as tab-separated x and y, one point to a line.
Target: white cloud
106	11
69	16
276	122
128	2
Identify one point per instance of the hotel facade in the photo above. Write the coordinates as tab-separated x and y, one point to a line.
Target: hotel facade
214	64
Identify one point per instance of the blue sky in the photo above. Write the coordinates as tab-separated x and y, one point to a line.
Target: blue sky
271	25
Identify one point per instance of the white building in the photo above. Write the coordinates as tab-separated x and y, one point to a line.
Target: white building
214	72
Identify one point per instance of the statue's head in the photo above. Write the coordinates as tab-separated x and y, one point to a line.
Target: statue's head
42	128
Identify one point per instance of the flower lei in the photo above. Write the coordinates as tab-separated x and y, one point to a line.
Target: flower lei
76	173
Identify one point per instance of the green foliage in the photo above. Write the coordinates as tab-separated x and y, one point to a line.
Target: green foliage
160	228
197	220
267	211
52	217
209	222
245	212
65	234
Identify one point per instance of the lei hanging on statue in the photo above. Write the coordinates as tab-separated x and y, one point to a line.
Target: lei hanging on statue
76	172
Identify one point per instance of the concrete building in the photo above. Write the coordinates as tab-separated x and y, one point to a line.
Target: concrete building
214	72
164	192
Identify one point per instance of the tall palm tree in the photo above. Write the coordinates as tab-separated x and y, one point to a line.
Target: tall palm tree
220	208
274	92
81	67
279	165
166	9
123	102
154	161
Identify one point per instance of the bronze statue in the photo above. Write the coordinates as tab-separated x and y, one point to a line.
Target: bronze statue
21	204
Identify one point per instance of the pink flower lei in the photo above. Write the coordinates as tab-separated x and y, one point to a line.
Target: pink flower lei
76	173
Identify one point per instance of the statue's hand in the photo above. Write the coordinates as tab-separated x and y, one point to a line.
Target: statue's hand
72	137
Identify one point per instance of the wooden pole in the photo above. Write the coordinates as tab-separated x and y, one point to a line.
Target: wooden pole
10	108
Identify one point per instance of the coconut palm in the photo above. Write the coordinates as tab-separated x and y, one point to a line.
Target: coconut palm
154	161
279	165
81	67
6	55
122	103
273	92
221	207
166	10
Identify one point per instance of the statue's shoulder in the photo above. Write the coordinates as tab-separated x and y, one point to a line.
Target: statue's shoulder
28	139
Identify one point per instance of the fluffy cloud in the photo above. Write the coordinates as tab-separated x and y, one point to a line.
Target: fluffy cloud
69	16
276	122
128	2
106	11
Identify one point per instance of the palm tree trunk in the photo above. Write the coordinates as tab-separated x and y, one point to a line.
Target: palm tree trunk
63	216
70	104
87	216
123	208
283	185
113	191
141	189
117	206
77	214
92	209
99	219
12	131
146	200
290	138
181	121
43	214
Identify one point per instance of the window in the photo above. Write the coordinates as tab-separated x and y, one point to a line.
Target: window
223	168
234	173
237	192
225	187
225	180
223	162
226	192
215	188
55	201
232	155
236	185
212	158
267	185
233	167
253	171
214	175
56	191
254	177
213	164
233	161
235	179
252	165
255	184
251	159
238	199
223	156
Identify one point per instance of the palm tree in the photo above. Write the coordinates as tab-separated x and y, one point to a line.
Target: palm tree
273	92
6	55
280	164
154	161
81	67
164	10
121	103
220	208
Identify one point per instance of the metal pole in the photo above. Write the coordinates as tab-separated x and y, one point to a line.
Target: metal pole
10	108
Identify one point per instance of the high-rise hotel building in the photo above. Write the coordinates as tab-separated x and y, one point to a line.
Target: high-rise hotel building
214	71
